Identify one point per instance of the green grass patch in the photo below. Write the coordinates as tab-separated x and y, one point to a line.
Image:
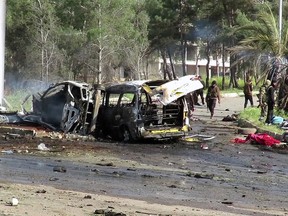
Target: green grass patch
227	89
252	114
16	99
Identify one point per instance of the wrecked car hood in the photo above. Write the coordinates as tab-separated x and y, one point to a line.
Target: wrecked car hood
172	90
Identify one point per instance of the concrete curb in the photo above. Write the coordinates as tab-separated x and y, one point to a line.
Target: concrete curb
246	123
231	95
234	94
240	94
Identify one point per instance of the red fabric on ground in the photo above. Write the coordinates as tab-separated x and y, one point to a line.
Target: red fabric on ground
239	140
263	139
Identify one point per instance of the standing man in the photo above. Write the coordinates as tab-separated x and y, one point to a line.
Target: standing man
248	88
262	99
200	92
270	95
190	102
213	93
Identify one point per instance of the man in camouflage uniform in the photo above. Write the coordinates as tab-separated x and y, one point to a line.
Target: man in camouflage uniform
262	99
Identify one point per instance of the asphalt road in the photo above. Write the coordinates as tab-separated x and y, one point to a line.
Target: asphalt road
234	178
229	104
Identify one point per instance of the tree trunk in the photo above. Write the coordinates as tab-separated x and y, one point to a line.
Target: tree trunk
223	66
165	66
197	61
172	64
233	71
183	56
208	72
217	63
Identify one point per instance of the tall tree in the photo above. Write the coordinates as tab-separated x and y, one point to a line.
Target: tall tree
261	39
221	15
171	23
262	42
112	31
17	37
45	37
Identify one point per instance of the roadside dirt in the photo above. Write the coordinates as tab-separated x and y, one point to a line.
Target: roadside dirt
77	177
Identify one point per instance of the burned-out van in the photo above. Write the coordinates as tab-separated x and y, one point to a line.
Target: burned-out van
146	109
128	111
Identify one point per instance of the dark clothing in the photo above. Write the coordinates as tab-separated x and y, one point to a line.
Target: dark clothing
211	104
200	92
248	88
282	95
248	98
270	95
213	93
270	114
190	103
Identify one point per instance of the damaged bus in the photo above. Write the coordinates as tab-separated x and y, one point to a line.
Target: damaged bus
127	111
146	109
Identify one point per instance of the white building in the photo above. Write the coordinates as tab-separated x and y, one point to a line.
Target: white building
196	63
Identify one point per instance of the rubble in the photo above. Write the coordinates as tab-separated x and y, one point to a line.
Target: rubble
42	147
14	202
60	169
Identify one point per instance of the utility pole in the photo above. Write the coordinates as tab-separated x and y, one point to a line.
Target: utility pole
280	19
2	47
183	40
98	80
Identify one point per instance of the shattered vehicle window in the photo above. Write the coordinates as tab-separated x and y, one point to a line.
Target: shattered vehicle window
144	98
128	99
113	100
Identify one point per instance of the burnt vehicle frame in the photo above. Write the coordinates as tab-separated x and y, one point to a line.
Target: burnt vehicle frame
125	111
65	106
130	111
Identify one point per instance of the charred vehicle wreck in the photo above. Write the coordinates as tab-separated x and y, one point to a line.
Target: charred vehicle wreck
135	110
66	106
128	111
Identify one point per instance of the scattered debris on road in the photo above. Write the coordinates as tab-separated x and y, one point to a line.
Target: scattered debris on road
14	202
59	169
42	147
108	212
233	117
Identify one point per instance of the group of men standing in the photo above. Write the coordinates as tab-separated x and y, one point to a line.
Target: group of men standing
266	98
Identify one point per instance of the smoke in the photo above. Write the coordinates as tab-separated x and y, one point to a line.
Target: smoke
29	86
